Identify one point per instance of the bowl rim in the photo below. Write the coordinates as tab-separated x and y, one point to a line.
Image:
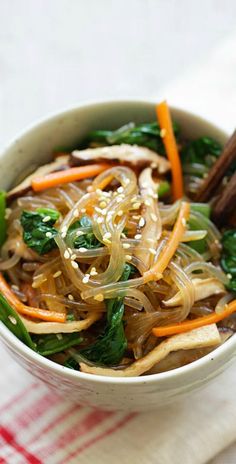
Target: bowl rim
20	348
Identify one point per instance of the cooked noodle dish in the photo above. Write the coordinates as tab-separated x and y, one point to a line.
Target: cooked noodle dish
118	258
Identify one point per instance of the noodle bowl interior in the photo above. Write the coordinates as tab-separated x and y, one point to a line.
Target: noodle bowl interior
110	261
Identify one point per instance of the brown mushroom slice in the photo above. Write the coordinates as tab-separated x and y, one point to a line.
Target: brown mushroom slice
60	327
198	338
60	163
128	154
203	288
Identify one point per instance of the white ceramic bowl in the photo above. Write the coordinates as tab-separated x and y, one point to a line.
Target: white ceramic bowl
139	393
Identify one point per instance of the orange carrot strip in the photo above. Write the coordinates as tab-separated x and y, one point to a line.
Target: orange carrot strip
176	235
69	175
195	323
36	313
164	119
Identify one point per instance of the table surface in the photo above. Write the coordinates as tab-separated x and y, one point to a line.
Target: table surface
55	54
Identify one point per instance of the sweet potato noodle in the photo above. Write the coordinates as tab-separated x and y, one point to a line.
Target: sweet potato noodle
91	269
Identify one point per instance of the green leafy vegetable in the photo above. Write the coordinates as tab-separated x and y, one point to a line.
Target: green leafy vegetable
164	188
43	344
37	234
203	208
110	346
12	321
88	239
146	135
199	155
55	343
3	226
228	258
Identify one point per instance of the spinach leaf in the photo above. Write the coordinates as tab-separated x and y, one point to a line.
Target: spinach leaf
164	188
202	153
37	234
228	257
205	210
3	226
229	242
110	346
12	321
88	239
146	135
55	343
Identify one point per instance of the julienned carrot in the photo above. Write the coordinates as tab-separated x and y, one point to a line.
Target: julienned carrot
36	313
164	119
68	175
195	323
171	246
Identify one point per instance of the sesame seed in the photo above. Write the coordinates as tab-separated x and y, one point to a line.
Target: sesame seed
64	229
119	199
79	233
76	213
89	188
93	271
83	210
147	203
126	245
57	274
184	222
70	297
123	235
66	254
103	204
99	297
136	217
99	191
49	234
98	210
127	181
141	222
133	200
59	336
86	278
63	235
120	190
12	319
162	132
70	250
120	212
153	217
229	276
153	165
136	205
99	220
152	251
46	219
73	257
82	249
154	195
128	257
138	236
74	264
107	235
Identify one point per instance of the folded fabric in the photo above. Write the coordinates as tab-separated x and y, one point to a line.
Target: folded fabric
38	426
